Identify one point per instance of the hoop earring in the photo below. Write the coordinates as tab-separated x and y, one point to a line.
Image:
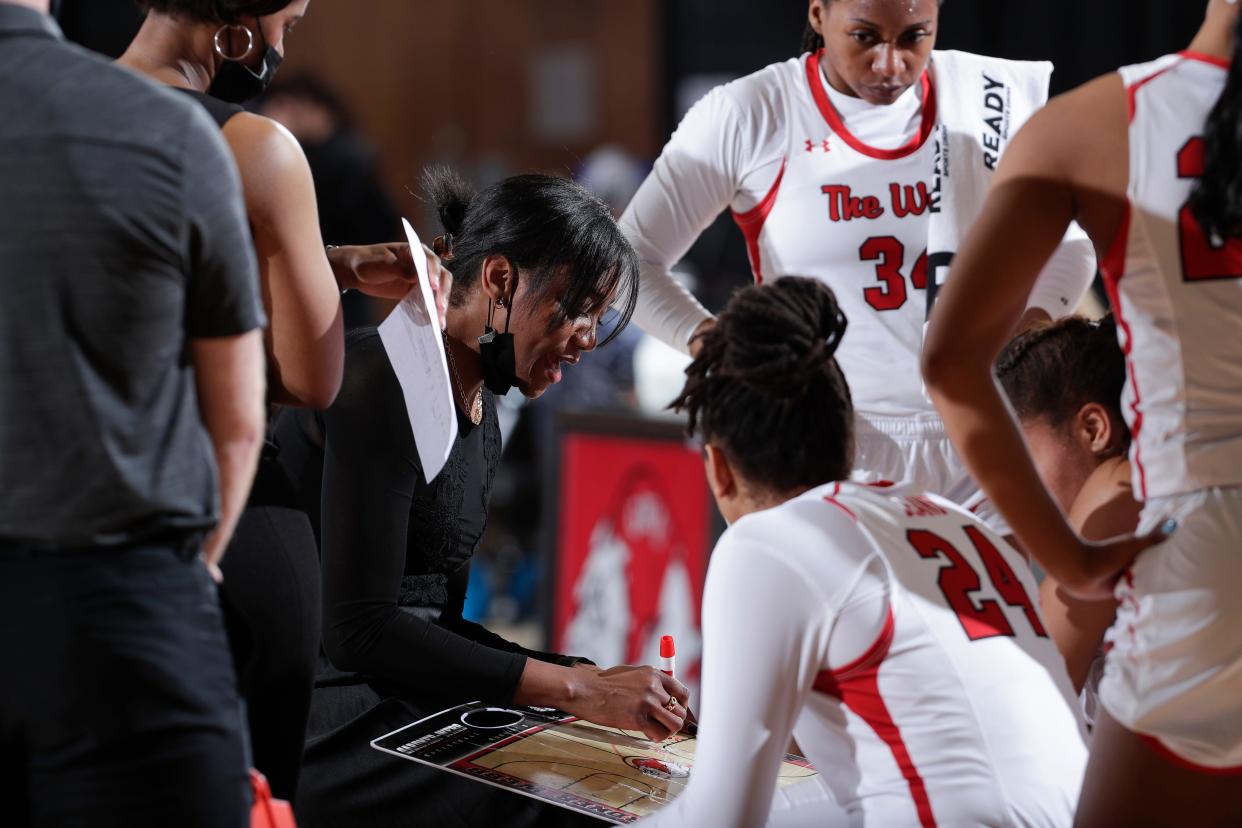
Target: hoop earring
215	42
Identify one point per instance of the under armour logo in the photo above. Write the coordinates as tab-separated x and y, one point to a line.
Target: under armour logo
811	146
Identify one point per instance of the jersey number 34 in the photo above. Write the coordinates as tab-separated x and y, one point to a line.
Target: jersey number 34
959	581
889	254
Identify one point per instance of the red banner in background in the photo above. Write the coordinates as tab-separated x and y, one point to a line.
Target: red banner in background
633	537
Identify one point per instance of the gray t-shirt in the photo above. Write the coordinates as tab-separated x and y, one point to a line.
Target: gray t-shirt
122	237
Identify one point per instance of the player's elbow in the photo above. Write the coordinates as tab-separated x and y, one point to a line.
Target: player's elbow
314	384
939	364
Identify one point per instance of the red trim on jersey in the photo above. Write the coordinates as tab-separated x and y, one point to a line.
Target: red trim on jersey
1113	268
857	685
1202	58
842	507
838	125
1160	749
1132	91
751	224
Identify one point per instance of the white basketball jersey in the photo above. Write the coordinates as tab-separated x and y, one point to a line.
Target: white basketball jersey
1177	294
855	217
961	712
898	640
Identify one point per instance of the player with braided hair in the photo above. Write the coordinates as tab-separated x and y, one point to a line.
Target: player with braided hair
1064	382
1156	182
877	624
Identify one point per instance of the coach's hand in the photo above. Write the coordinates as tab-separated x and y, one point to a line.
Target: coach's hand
631	698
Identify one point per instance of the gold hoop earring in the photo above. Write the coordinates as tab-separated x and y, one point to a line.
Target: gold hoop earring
215	42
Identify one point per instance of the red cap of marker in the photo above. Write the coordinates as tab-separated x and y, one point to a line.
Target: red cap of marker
668	653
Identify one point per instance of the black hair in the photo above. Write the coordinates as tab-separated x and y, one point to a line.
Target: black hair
214	11
546	226
1052	370
1217	198
813	41
766	388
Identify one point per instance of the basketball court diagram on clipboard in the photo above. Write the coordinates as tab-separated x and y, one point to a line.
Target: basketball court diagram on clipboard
615	775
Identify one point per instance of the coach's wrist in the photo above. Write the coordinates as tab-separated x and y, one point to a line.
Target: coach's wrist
549	685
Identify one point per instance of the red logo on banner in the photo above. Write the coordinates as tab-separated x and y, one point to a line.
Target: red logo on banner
634	532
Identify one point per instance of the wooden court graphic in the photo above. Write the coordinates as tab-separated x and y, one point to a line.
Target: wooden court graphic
616	775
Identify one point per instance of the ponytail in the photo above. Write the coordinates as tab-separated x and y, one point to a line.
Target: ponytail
1052	370
563	239
1217	198
450	194
766	386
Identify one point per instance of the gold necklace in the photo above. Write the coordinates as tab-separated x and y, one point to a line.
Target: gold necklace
476	407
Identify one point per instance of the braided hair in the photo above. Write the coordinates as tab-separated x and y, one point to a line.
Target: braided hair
214	11
766	388
1051	371
813	41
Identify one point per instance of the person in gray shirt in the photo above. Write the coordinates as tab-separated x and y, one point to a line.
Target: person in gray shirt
131	416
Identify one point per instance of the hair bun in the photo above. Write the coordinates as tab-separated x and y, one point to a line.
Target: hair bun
451	195
816	304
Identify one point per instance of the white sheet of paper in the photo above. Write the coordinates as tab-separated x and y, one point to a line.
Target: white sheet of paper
415	346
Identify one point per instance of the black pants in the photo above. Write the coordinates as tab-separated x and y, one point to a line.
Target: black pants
271	599
118	704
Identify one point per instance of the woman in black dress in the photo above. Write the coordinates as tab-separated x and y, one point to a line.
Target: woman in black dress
541	259
223	52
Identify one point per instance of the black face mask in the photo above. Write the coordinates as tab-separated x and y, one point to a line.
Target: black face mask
498	355
236	82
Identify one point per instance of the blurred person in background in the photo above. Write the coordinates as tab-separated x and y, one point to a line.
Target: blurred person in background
541	259
131	418
354	207
221	53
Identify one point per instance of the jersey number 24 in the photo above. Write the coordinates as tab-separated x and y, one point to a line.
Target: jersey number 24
959	581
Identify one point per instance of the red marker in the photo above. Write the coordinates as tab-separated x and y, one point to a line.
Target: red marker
668	656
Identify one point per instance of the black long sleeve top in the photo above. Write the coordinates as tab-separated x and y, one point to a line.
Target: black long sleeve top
396	549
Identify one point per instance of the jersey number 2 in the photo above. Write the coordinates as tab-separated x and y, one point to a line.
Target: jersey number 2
889	254
959	581
1202	258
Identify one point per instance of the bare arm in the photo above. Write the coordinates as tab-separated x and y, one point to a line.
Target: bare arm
1049	177
229	376
304	340
1105	508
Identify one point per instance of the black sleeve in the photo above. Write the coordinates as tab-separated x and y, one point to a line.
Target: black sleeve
222	297
452	620
370	474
